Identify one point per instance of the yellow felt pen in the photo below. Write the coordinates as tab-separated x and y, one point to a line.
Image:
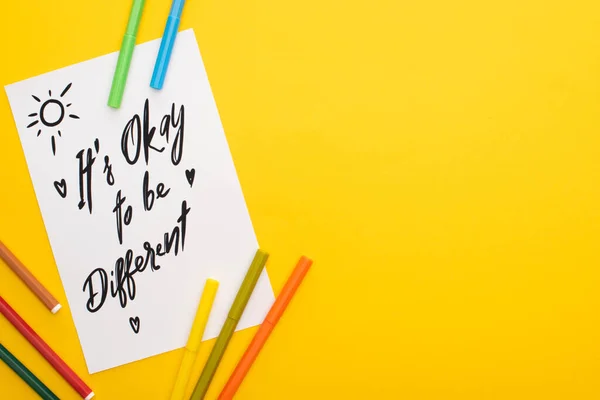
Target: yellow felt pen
193	344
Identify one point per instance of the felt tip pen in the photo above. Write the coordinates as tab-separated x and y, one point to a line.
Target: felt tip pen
235	313
166	45
127	46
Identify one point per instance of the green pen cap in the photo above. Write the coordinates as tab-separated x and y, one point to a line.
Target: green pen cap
135	16
243	296
127	46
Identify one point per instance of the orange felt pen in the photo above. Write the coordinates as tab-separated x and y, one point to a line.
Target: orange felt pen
288	291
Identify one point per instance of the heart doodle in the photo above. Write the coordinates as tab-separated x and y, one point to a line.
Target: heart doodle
135	324
61	188
190	174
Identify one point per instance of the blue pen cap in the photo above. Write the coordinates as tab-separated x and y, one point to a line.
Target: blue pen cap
166	45
177	8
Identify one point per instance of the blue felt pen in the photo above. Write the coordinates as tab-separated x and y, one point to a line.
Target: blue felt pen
166	45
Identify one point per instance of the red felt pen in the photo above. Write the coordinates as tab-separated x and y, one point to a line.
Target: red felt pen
57	363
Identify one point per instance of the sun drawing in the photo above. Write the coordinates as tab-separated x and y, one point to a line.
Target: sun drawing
51	113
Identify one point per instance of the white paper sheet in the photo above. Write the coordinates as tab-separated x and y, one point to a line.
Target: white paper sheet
81	154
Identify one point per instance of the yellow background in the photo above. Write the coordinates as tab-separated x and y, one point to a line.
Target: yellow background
438	159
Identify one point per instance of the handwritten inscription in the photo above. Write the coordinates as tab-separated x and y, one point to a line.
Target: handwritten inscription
122	284
149	194
85	178
140	141
138	135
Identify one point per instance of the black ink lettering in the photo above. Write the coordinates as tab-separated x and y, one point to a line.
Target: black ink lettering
129	279
85	171
159	251
165	126
128	215
118	210
185	210
124	277
150	257
160	191
172	239
110	178
91	303
148	134
141	134
122	281
177	150
133	129
118	213
148	195
139	264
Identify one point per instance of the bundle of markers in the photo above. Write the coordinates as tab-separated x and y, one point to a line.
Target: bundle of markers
189	360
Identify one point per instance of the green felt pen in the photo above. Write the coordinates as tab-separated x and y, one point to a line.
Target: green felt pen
25	374
235	313
127	47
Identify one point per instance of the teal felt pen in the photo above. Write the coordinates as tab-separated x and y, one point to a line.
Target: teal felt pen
166	45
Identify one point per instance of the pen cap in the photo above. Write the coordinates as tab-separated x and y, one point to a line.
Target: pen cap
239	304
135	17
287	293
176	8
117	88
